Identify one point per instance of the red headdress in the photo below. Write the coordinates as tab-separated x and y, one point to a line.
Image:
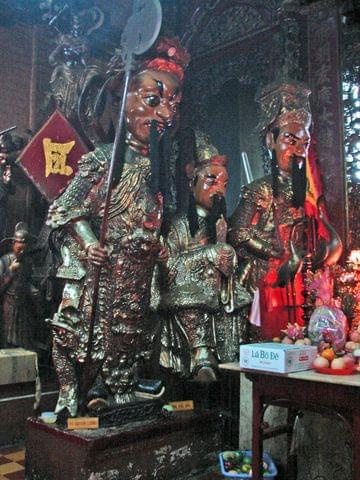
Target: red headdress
168	56
219	160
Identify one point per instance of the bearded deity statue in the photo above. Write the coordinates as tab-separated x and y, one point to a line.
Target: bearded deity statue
272	229
195	284
133	244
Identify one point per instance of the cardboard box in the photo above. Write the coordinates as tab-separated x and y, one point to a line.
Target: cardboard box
17	366
277	357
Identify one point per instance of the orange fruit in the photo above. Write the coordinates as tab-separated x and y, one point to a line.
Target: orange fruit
328	353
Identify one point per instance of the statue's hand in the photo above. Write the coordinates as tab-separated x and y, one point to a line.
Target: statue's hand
97	255
14	265
163	254
276	250
6	176
264	248
34	292
223	256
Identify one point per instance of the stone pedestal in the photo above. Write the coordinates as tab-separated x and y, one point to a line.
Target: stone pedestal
162	448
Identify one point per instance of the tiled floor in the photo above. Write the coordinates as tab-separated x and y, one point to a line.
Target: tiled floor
12	461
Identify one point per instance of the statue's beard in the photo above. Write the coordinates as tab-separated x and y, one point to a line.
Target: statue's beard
218	209
298	181
157	160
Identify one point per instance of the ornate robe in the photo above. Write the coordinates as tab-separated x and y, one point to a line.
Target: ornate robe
133	243
260	228
190	297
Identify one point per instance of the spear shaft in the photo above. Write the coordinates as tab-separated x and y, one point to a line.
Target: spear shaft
7	130
104	224
90	369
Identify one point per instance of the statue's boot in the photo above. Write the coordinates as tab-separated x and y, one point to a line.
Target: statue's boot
198	326
97	404
98	390
204	365
98	397
68	385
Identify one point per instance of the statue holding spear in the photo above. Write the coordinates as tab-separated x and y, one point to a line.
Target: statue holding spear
109	221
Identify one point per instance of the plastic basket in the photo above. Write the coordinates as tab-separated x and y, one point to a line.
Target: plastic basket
272	472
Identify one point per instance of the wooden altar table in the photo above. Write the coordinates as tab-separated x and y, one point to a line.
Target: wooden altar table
306	390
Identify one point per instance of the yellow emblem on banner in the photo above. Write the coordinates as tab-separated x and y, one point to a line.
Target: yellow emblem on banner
56	156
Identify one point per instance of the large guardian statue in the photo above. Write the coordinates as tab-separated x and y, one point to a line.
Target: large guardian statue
133	243
272	229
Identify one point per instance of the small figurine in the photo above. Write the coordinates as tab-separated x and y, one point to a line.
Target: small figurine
18	294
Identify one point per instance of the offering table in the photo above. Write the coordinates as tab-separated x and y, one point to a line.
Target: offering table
305	390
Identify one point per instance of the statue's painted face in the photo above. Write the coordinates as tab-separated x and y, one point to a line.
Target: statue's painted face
210	180
293	139
153	95
18	248
3	157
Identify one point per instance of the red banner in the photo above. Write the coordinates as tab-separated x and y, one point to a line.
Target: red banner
50	159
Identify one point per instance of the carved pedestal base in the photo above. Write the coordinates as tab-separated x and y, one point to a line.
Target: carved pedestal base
160	448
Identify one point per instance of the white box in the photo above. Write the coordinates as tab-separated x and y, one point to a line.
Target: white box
277	357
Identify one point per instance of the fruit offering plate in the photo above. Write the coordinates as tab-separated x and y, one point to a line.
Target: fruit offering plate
336	371
238	464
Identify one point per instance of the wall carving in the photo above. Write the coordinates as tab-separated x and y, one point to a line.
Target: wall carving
232	26
251	68
351	55
221	23
324	78
289	41
351	75
238	40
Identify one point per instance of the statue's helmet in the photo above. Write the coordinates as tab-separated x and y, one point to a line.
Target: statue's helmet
22	234
283	103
